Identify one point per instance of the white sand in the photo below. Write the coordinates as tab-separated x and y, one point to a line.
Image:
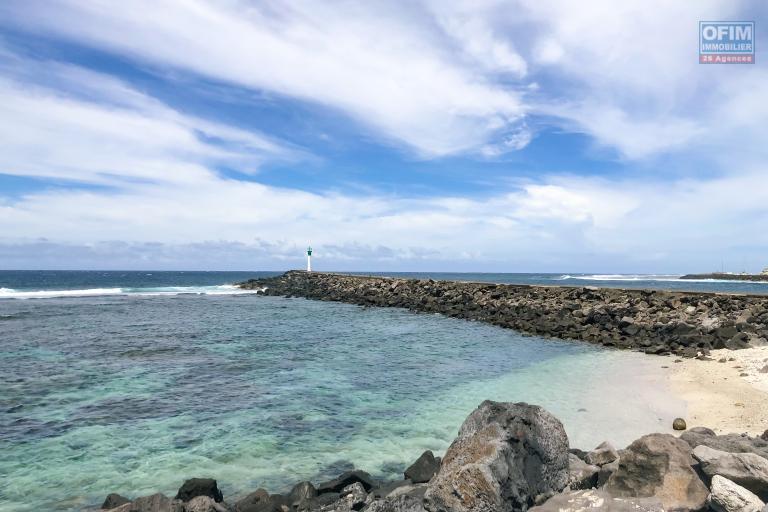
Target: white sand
729	396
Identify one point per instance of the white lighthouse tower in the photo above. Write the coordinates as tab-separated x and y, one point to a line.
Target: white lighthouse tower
309	259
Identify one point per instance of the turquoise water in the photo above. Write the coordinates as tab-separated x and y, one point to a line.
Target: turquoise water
133	381
134	393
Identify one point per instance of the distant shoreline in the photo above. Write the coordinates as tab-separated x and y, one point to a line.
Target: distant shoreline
728	277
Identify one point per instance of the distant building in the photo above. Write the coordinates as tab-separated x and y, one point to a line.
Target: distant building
764	272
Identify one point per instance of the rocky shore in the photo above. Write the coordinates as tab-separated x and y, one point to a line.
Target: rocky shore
511	457
728	277
688	324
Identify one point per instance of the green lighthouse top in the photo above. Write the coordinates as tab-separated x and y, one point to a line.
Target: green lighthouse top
309	251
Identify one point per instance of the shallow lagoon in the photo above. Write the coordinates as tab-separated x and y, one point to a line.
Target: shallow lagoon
133	394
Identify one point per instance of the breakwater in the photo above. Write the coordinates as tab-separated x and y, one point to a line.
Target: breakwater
652	321
723	276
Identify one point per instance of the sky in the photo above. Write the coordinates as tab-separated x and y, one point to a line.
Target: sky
430	135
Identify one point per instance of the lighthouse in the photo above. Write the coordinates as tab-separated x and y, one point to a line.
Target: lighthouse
309	259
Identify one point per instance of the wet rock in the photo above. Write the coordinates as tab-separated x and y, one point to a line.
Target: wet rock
352	497
154	503
261	501
321	501
384	489
423	469
745	469
603	454
597	500
199	487
726	496
301	494
679	424
113	501
659	465
345	479
505	457
580	474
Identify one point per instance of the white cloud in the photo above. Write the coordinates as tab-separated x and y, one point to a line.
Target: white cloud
126	136
372	61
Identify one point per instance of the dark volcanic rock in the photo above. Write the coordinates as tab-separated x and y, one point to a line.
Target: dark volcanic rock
423	469
199	487
659	465
154	503
262	501
505	457
345	479
114	500
655	322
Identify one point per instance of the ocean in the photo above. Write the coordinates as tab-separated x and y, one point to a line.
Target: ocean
131	382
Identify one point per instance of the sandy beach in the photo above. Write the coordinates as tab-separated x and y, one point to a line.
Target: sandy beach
728	393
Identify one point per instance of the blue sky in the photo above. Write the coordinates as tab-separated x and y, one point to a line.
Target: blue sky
511	136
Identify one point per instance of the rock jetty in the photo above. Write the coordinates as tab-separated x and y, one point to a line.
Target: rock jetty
688	324
515	457
729	277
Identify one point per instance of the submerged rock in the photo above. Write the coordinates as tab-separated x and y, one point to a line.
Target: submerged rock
199	487
597	500
423	469
727	496
659	465
505	457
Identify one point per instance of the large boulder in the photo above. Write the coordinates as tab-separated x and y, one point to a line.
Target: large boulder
154	503
727	496
199	487
745	469
598	500
731	443
113	501
506	457
659	465
423	469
